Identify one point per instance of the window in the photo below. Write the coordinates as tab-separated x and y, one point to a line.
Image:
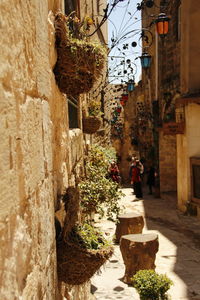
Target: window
195	170
73	112
72	5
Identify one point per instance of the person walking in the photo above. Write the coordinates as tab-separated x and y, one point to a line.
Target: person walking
133	159
114	172
151	179
136	179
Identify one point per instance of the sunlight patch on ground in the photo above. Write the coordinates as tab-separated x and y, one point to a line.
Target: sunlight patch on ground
176	257
166	258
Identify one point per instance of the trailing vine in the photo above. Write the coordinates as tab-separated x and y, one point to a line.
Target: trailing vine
98	192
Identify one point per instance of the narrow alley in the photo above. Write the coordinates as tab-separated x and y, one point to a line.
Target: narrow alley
178	255
97	95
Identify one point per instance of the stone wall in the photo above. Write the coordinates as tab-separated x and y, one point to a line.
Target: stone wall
188	145
169	59
190	42
130	128
167	159
169	89
39	156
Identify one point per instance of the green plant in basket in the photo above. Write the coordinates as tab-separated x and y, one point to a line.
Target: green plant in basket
94	108
98	160
83	251
88	237
151	285
99	194
79	60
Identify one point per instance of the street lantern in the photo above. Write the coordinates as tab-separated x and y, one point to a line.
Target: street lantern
145	60
131	85
162	24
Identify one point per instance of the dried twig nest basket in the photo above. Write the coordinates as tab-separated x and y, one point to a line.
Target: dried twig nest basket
79	62
91	124
77	265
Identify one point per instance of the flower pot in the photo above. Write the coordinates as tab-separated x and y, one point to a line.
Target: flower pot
77	265
91	124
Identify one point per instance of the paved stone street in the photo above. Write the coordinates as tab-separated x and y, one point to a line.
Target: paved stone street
178	255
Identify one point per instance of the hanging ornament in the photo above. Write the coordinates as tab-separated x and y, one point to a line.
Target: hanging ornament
134	44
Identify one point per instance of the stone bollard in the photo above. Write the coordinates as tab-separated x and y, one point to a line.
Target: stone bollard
128	224
138	252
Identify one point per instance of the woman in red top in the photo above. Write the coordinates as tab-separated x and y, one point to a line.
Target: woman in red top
136	179
114	172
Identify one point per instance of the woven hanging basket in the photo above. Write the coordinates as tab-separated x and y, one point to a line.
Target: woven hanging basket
91	124
77	265
79	63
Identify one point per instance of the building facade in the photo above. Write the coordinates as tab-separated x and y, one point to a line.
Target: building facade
188	143
170	91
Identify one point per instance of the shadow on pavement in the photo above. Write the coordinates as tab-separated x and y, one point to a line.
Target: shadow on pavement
183	231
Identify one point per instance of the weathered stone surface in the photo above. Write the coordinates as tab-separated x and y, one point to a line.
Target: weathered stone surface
138	252
167	154
39	157
129	223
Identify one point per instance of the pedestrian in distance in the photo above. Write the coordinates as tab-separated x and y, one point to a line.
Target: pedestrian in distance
114	172
133	159
136	179
151	179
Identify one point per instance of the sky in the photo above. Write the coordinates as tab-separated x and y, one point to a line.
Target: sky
124	18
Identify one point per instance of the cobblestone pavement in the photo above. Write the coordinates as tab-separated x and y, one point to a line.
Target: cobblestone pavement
178	255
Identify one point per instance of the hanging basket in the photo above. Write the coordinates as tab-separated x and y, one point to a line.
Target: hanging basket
91	124
79	63
77	265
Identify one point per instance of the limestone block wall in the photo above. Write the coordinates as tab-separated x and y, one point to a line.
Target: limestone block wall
190	42
168	89
39	158
167	160
188	145
127	149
